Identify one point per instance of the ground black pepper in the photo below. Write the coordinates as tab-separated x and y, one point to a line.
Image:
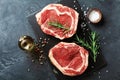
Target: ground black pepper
37	53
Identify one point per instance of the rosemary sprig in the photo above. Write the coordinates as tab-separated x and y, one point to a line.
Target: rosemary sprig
57	25
82	42
92	45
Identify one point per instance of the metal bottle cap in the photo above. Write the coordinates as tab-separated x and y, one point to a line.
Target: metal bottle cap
26	43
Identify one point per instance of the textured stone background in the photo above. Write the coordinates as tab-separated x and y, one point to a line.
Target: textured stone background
13	24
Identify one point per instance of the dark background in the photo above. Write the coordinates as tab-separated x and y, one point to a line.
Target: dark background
14	63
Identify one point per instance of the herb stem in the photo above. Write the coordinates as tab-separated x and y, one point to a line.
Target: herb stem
58	25
92	45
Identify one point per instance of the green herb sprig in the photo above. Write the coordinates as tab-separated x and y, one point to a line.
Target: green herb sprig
92	45
57	25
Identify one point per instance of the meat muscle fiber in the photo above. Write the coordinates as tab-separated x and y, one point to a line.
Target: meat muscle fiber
70	58
59	14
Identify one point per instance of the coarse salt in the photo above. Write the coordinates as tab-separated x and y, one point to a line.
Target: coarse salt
107	71
74	1
94	16
76	8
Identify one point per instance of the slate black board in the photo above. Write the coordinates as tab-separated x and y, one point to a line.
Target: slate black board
82	32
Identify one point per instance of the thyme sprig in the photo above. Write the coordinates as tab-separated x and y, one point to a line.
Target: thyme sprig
92	45
57	25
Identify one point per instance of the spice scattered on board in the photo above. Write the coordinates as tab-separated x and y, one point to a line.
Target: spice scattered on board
75	7
107	71
28	69
38	54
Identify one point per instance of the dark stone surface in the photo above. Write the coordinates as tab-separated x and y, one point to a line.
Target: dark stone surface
14	63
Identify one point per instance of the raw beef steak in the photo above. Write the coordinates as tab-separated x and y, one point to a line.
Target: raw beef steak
69	58
58	21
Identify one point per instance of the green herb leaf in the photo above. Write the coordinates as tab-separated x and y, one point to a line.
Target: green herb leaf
57	25
92	45
82	42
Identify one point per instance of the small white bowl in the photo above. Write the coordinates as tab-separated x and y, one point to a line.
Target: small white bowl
94	15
